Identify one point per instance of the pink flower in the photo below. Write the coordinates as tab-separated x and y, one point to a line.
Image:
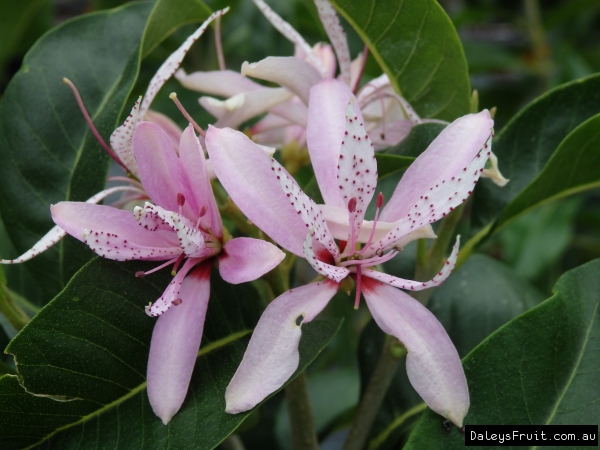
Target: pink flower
182	227
345	167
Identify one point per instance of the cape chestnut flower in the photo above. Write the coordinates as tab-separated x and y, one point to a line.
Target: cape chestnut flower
345	167
182	227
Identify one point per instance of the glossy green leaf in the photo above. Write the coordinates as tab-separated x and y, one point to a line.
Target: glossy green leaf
574	167
528	142
416	44
85	353
541	368
388	164
479	297
15	22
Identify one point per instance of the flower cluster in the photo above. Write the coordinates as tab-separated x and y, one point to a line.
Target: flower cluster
180	224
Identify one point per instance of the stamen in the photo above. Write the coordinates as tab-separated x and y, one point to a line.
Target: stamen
369	261
141	274
201	214
218	43
173	96
126	180
180	201
362	69
358	282
351	245
177	263
93	129
379	204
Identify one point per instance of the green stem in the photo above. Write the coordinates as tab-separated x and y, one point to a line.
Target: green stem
304	436
371	401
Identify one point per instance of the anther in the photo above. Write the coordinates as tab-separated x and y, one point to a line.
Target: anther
352	205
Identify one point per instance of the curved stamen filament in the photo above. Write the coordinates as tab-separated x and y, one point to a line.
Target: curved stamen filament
141	274
126	180
362	69
173	96
379	204
90	124
177	263
351	244
369	261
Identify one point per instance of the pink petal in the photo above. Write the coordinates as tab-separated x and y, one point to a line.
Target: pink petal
167	125
160	170
293	110
438	201
251	104
272	354
173	62
356	69
446	156
112	233
57	233
270	122
175	343
316	255
293	73
121	140
324	134
325	54
357	167
390	134
244	169
191	157
337	36
433	366
401	283
292	35
306	208
224	83
245	259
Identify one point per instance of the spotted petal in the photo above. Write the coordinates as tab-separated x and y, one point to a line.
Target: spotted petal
121	139
446	157
112	233
173	62
337	36
292	35
357	167
432	364
317	255
224	83
272	354
306	208
171	296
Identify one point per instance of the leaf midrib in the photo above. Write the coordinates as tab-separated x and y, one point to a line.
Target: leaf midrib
203	351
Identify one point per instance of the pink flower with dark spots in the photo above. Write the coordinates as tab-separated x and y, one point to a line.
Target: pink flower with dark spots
182	226
338	243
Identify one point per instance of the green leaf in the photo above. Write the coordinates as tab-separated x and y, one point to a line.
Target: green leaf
574	167
541	368
85	357
527	143
179	12
416	44
479	297
388	164
42	130
15	23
